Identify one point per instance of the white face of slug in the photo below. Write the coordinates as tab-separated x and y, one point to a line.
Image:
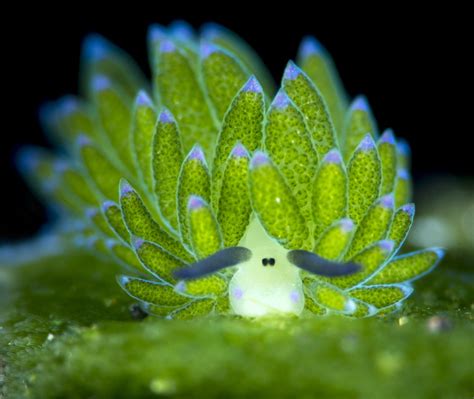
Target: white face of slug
257	290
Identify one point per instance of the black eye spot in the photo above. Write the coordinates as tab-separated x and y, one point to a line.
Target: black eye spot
271	261
136	312
264	261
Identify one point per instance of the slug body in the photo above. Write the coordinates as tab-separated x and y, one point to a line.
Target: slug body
257	289
201	174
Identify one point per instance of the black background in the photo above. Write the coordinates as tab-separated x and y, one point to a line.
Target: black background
411	64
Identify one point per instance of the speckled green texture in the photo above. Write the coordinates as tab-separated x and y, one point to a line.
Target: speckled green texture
307	189
38	171
115	118
359	122
382	296
364	173
98	245
370	259
243	123
102	58
142	131
319	66
275	206
140	223
182	94
373	227
193	179
96	349
330	297
362	309
223	76
157	260
234	208
407	267
204	231
96	163
211	285
75	182
66	118
234	44
401	223
403	188
288	143
334	242
167	160
311	305
113	215
329	198
388	158
307	98
193	309
98	219
403	154
125	255
156	293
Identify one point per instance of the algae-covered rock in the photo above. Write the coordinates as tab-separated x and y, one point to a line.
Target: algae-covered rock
67	332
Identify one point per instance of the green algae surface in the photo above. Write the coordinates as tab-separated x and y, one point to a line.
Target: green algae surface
66	331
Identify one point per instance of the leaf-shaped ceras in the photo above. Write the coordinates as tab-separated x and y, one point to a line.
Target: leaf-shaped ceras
221	201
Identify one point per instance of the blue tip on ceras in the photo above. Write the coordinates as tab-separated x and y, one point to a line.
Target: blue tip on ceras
143	99
96	47
125	188
197	154
167	46
386	245
440	252
360	103
62	107
156	33
387	201
252	85
166	116
259	159
108	204
195	202
409	209
291	71
123	281
333	156
110	243
60	166
403	174
137	242
181	30
91	213
310	46
239	151
83	140
27	159
207	48
388	137
347	225
211	30
281	100
367	143
100	83
403	147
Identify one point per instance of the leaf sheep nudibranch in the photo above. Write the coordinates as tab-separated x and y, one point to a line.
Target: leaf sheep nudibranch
223	195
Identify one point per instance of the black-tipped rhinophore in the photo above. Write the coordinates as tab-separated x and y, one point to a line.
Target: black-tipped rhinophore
227	257
315	264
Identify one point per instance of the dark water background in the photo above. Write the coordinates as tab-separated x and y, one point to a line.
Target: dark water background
411	64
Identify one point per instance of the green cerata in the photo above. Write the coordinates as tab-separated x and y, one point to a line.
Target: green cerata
222	194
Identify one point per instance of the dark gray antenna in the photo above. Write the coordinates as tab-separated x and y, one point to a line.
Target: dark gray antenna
225	258
315	264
